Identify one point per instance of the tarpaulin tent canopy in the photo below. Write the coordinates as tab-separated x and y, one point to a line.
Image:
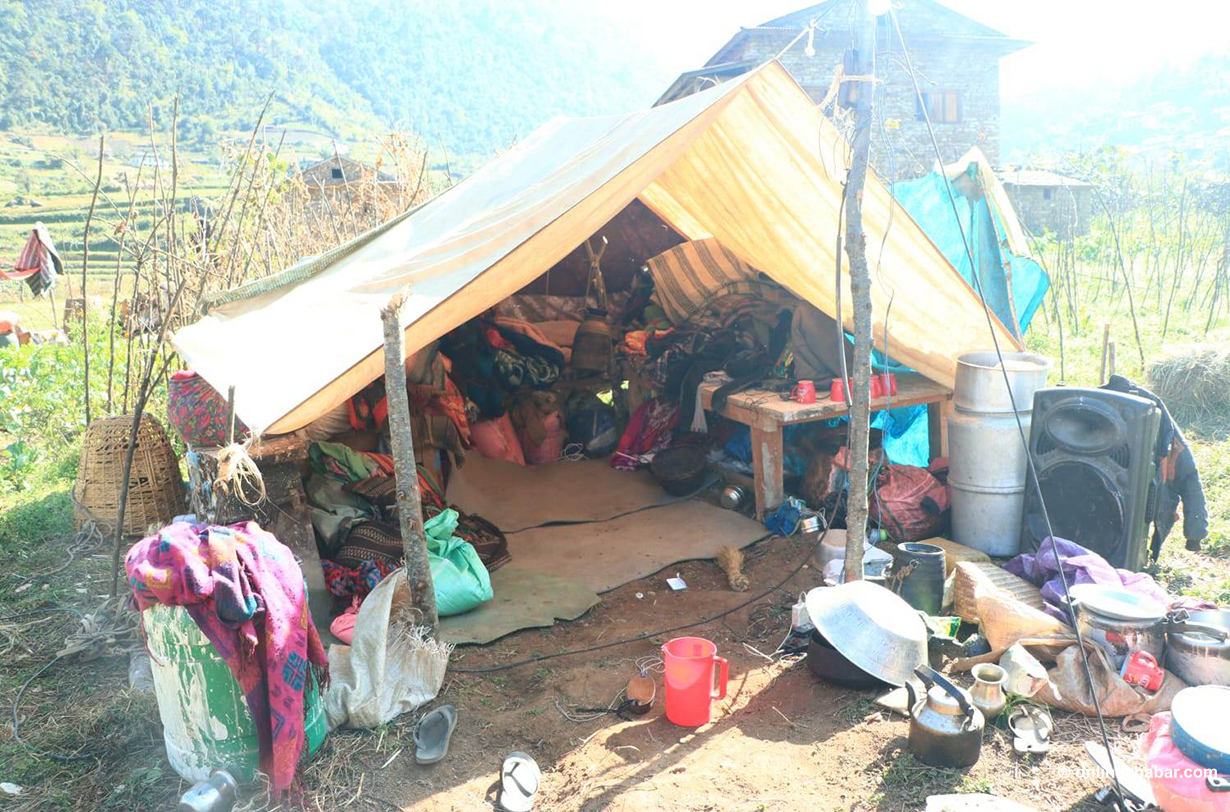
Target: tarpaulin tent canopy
1013	283
751	162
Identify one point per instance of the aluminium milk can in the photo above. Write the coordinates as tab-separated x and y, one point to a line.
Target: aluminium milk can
987	462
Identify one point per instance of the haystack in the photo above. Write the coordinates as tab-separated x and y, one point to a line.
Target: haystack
1194	381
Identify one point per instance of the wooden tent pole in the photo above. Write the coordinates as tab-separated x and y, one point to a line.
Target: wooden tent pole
860	288
409	499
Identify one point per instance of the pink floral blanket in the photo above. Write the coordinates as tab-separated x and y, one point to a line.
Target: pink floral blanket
246	593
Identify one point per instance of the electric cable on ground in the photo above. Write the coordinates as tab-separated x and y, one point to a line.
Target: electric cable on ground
658	633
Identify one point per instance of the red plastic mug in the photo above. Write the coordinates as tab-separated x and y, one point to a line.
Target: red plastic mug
879	386
694	677
1141	668
804	392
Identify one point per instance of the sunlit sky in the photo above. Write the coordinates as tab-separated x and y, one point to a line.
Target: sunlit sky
1076	42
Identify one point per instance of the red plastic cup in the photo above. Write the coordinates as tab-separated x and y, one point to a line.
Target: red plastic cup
694	676
804	392
837	391
1141	668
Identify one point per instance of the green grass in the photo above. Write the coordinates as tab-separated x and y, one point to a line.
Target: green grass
75	705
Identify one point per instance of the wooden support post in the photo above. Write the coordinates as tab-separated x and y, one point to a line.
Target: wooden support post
1106	343
409	500
230	415
85	298
860	288
767	459
937	427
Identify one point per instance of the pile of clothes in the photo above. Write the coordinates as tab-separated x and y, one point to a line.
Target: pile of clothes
354	513
508	370
497	358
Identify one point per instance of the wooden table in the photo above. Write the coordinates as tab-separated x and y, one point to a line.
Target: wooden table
766	413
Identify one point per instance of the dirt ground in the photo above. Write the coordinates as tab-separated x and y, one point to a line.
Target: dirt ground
781	739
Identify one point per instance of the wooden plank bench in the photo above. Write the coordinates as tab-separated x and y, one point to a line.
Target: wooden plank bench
766	413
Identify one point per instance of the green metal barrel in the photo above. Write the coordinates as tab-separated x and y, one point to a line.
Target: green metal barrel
205	719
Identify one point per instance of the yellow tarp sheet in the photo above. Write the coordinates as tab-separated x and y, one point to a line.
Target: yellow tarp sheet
750	162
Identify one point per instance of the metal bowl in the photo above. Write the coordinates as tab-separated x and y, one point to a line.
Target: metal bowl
871	627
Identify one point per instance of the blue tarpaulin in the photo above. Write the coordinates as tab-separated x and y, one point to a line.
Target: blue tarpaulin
927	202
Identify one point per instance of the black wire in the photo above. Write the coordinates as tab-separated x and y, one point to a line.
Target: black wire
1029	462
43	611
22	690
647	635
17	736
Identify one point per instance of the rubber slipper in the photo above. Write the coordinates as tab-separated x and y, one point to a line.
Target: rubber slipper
519	782
432	736
1031	730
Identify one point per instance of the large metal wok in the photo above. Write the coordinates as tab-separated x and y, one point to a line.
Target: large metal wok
871	627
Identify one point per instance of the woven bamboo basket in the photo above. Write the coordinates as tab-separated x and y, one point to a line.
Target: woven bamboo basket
155	490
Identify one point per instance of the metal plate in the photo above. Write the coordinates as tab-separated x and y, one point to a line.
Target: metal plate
1198	725
1117	603
871	627
1132	782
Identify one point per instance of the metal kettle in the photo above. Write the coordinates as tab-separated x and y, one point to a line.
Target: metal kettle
945	727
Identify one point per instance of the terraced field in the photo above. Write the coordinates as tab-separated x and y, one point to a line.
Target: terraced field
50	179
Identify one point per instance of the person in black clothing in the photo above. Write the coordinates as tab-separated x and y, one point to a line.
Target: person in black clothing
1176	480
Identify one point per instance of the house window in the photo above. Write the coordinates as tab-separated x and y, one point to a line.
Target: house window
815	92
1046	193
942	106
336	173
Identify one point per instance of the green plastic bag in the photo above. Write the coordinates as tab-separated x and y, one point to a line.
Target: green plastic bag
459	577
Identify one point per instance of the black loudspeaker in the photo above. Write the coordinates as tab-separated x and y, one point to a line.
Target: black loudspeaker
1093	451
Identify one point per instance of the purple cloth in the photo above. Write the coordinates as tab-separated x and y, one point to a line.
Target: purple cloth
1081	566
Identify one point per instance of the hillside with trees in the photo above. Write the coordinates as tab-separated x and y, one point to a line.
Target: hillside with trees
79	66
1177	110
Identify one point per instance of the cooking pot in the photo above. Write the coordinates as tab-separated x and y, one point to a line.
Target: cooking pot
871	627
831	665
945	727
1119	621
1197	648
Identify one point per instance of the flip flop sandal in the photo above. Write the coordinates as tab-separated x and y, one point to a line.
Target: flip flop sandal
519	782
432	736
1031	730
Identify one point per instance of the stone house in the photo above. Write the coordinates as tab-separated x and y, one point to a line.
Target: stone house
955	58
344	178
1046	200
339	170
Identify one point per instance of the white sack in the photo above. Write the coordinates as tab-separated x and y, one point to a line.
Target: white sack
391	666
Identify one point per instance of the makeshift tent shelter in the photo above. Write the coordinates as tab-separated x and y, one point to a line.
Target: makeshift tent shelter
752	163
